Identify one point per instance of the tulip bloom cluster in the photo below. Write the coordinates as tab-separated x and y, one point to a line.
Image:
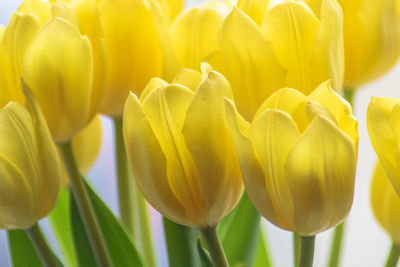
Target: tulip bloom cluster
223	111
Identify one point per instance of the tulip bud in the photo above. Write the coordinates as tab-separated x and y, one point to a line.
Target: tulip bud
385	203
371	39
298	158
181	152
30	169
383	123
288	44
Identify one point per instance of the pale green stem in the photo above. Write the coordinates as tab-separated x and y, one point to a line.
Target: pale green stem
131	200
85	206
214	247
126	191
393	256
296	248
307	251
41	246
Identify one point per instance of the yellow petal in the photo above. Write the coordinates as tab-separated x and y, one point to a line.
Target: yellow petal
132	50
383	140
290	101
327	60
320	172
209	141
314	109
87	145
38	8
253	175
339	108
273	134
61	10
255	9
292	27
251	66
50	69
17	36
195	34
188	78
148	162
153	84
385	203
165	108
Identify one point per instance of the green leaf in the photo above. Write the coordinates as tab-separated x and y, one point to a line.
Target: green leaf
121	248
59	221
262	257
241	233
204	255
181	245
22	250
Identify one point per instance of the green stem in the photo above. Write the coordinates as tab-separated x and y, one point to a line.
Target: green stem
214	247
307	251
85	206
41	246
296	248
131	200
126	191
393	256
336	245
349	94
146	238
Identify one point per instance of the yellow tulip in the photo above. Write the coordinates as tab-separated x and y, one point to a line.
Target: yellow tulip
298	158
288	44
385	203
371	39
181	152
383	123
44	43
30	169
133	50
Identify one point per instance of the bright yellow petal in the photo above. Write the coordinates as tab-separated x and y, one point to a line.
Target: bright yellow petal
273	134
148	162
188	78
132	49
209	141
165	108
38	8
292	27
339	108
253	175
251	66
290	101
327	60
17	36
255	9
320	172
153	84
87	145
383	140
385	203
195	34
63	89
62	10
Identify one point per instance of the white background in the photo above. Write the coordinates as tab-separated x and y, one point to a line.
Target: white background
365	243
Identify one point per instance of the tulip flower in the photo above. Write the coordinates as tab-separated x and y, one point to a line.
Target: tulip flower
133	50
385	203
288	44
30	169
298	158
383	120
44	43
181	152
371	40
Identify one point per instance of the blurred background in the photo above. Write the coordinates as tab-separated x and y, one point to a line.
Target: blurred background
365	242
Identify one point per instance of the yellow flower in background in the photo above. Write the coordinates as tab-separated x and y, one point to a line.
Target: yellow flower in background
134	55
288	44
385	203
181	152
371	39
298	158
383	123
30	169
44	43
